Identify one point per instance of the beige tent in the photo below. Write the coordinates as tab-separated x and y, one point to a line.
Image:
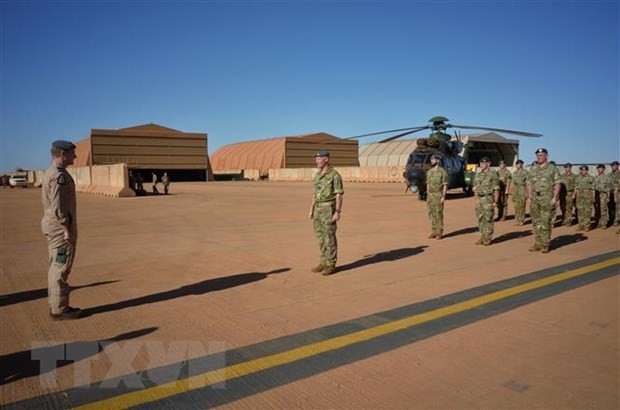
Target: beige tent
283	152
148	147
396	153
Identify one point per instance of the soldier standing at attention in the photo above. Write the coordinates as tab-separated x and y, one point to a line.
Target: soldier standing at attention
436	186
584	198
155	191
325	211
486	187
59	225
518	193
543	186
505	179
615	189
566	195
602	186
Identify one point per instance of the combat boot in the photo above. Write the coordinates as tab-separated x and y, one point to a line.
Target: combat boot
544	249
534	248
431	236
70	313
579	228
330	270
487	242
587	229
479	241
438	236
318	268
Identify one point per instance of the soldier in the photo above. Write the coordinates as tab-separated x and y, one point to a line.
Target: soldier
486	187
59	225
155	191
518	192
165	179
325	211
602	187
505	179
584	198
566	195
615	186
436	187
543	187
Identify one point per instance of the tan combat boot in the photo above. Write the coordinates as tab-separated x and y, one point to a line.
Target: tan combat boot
544	249
431	236
318	268
534	248
487	242
438	236
479	241
330	270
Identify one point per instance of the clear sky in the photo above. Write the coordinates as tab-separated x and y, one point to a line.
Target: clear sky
247	70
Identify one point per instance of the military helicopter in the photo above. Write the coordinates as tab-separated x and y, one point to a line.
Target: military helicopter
456	157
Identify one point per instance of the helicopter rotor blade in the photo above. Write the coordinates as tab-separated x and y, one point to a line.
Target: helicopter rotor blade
524	134
388	131
400	135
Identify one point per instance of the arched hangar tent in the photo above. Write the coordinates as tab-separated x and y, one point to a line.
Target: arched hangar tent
283	152
146	148
396	153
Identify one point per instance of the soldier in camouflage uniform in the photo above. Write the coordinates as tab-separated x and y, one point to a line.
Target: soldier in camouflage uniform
543	186
486	187
436	187
566	195
505	179
518	193
325	211
584	198
59	225
602	187
615	186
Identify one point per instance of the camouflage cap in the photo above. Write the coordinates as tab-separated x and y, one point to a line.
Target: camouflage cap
321	153
63	145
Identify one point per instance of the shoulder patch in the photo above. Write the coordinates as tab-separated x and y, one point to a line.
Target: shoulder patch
62	180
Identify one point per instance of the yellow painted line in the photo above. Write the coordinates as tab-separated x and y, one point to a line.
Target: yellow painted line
252	366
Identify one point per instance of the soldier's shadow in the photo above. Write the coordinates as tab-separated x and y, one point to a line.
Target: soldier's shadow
18	297
564	240
387	256
199	288
463	231
512	235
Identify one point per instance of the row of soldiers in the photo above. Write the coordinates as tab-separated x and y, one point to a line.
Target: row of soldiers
581	192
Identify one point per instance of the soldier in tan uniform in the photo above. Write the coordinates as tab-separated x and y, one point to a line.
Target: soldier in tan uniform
59	225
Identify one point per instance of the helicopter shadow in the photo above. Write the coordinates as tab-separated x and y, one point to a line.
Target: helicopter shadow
512	235
565	240
387	256
463	231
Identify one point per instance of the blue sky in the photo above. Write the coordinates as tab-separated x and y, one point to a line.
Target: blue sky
243	70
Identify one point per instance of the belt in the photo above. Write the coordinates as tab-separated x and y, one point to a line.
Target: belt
483	195
329	203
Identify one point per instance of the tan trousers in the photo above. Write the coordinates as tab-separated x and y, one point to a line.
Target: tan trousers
60	260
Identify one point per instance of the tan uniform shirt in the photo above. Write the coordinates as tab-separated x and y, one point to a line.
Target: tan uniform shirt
59	204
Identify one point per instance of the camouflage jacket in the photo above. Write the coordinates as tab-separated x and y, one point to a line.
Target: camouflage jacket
569	181
543	179
602	183
327	185
436	179
615	179
504	176
519	177
486	182
584	185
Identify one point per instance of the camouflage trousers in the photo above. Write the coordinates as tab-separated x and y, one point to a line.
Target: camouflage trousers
60	263
518	200
435	212
566	205
325	232
502	204
542	213
584	211
484	213
602	205
617	217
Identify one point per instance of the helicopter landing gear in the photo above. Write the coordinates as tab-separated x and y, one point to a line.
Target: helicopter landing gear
422	196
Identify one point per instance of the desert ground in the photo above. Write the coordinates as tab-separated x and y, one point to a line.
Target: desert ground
224	267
